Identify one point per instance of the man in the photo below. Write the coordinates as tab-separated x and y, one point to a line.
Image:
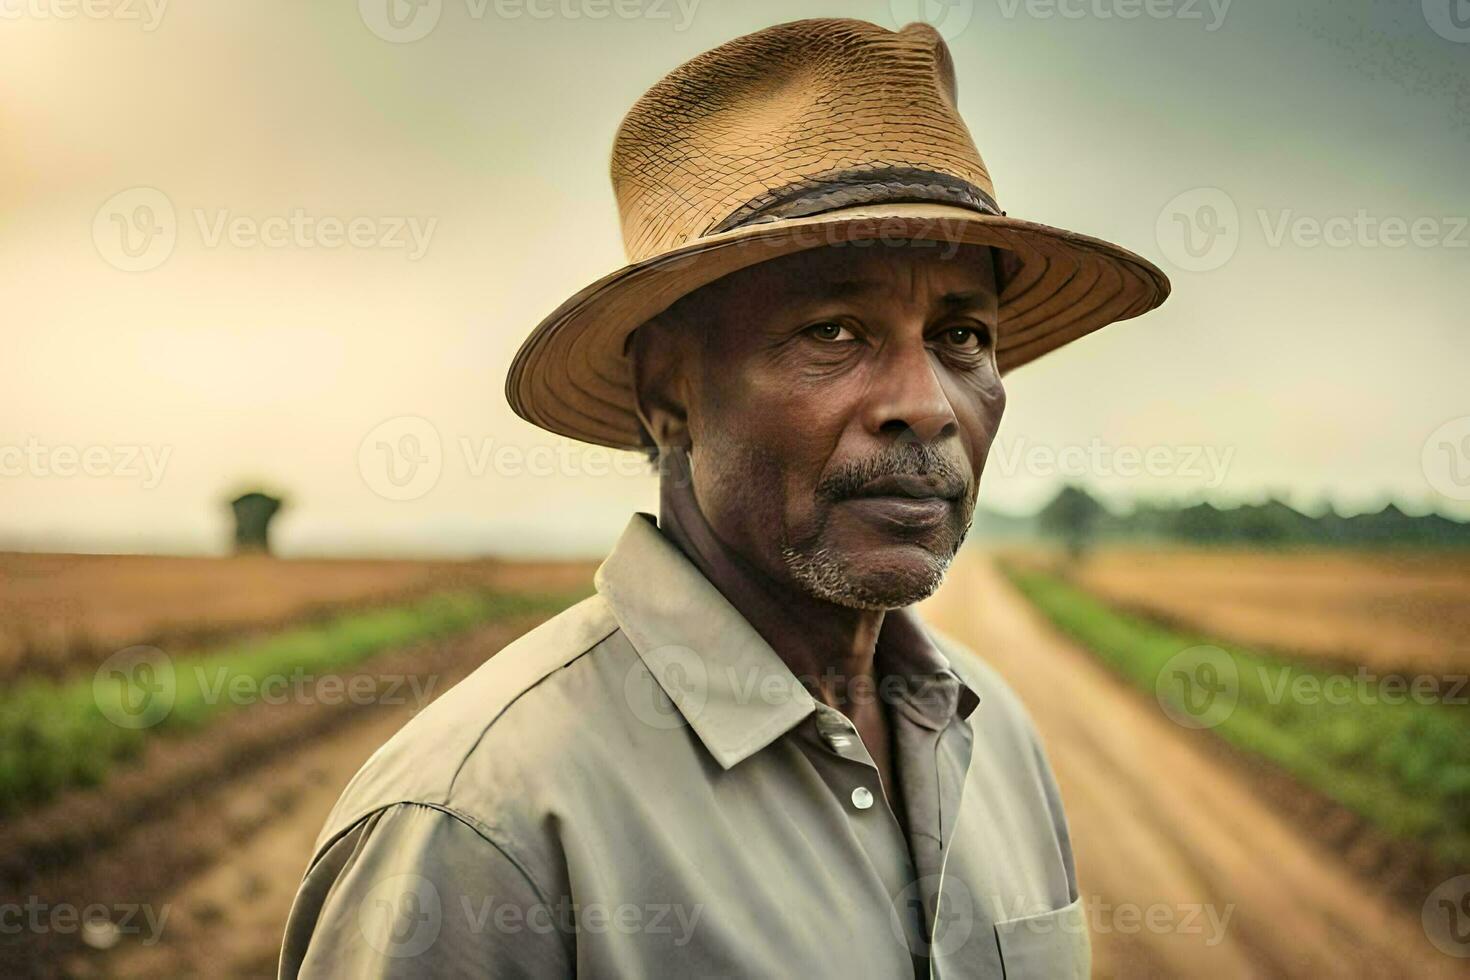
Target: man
745	756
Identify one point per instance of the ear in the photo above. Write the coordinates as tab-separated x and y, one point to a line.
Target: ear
659	381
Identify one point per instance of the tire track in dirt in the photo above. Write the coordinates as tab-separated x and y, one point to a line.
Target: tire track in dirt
1160	820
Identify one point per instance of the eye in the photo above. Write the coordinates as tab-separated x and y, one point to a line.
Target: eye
829	331
965	338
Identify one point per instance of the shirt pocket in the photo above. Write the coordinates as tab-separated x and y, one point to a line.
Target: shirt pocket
1049	946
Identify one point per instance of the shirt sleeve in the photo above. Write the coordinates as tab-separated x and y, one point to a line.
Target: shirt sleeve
414	891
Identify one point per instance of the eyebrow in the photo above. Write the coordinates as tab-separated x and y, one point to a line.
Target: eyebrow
961	300
845	288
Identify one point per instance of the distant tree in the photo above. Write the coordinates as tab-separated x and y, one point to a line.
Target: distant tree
253	514
1270	523
1201	522
1147	519
1073	516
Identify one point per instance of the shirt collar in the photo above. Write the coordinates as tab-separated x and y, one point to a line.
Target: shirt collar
736	693
932	692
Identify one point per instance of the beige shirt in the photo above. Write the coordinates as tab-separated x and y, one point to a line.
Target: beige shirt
640	787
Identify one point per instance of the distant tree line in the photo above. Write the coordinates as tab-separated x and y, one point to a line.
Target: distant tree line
1078	518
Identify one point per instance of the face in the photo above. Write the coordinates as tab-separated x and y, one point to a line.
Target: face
837	406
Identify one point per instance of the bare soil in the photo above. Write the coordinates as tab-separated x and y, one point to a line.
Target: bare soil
211	834
1188	867
61	613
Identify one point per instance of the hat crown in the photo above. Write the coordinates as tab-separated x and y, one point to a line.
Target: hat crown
791	120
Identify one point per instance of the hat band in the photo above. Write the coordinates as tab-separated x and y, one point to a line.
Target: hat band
849	188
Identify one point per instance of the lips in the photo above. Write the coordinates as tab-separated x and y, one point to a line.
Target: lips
913	486
907	503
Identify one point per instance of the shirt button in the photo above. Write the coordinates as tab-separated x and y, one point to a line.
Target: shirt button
862	798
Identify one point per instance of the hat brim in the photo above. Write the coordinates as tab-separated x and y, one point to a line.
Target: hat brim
572	375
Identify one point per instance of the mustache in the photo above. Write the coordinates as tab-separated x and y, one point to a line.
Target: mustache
901	459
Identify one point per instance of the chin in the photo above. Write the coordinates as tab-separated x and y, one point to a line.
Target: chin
888	577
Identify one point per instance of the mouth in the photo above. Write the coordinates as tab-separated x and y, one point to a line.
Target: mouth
906	501
911	486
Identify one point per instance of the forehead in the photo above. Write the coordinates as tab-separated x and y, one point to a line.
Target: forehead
865	270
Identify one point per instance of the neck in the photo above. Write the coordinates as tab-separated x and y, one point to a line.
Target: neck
830	647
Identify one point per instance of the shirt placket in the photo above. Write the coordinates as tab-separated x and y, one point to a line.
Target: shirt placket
950	898
863	798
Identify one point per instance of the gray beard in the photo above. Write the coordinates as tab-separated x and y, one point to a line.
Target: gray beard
826	576
829	577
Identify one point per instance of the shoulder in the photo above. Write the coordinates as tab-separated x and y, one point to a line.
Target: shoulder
504	726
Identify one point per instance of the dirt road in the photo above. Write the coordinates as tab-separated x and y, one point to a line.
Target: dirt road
1161	822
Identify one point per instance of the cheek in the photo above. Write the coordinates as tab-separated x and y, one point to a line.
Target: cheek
979	406
764	444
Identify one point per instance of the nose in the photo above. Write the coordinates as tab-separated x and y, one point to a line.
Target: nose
907	401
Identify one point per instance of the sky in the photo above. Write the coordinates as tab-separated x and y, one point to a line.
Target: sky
295	246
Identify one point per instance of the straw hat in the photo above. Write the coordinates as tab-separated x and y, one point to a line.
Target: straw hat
811	133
